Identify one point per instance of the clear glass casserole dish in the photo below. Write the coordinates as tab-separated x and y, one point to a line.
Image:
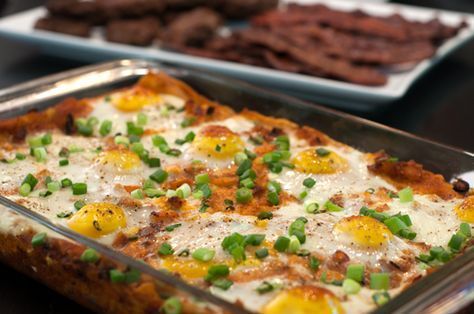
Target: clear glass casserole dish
447	290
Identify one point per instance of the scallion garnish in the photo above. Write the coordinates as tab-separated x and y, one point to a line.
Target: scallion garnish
309	182
90	256
79	188
165	249
203	254
379	281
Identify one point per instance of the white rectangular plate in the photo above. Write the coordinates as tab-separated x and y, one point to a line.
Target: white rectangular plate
327	91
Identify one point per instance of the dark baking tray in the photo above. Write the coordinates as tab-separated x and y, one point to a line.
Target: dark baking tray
447	290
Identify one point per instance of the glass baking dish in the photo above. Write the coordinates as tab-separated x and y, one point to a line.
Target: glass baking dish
445	291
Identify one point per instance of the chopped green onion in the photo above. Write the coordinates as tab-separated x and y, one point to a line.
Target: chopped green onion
137	148
239	158
172	306
330	206
172	227
309	182
165	249
39	239
31	180
243	195
294	245
265	215
188	122
272	198
222	283
380	298
395	224
159	176
203	254
253	239
47	139
314	263
216	271
355	272
137	194
154	162
407	234
132	276
303	195
40	154
105	127
142	119
151	192
218	148
256	140
183	191
66	182
54	186
440	254
133	129
64	214
247	183
465	229
261	253
251	155
117	276
267	286
350	286
405	195
122	140
281	244
79	188
322	152
245	165
311	207
79	204
297	229
379	281
36	141
90	256
25	189
63	162
20	156
202	178
83	127
456	242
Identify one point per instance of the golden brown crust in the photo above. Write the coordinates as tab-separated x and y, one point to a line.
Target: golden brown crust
409	173
60	117
87	284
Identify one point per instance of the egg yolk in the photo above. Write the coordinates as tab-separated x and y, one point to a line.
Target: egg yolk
308	161
364	231
122	160
97	219
465	210
304	300
135	100
191	269
218	142
187	268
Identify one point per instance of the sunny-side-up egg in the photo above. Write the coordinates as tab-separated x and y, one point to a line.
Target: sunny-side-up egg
216	226
163	112
465	210
98	219
334	169
120	166
433	219
362	238
304	300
